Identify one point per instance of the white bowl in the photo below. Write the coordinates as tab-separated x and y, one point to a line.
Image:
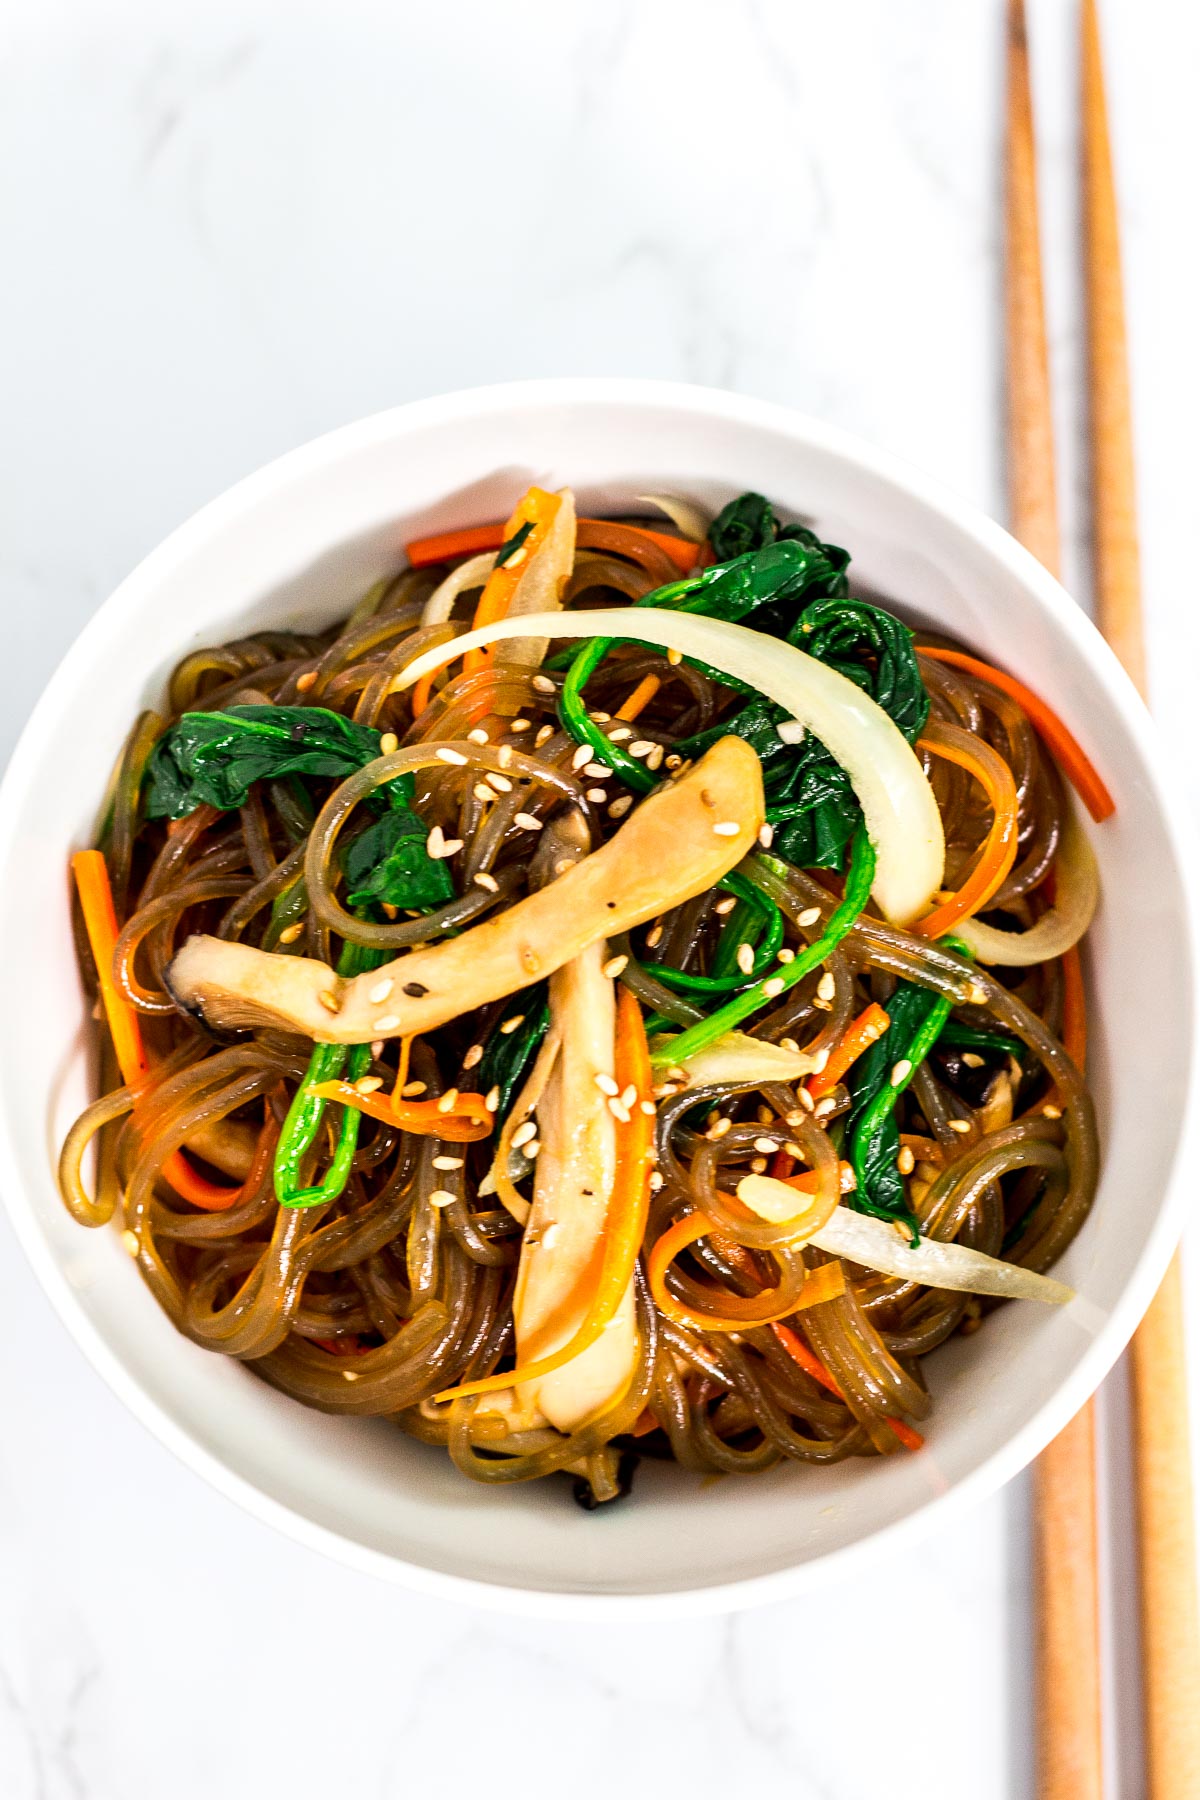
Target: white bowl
295	545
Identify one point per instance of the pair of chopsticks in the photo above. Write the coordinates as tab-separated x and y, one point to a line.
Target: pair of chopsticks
1065	1537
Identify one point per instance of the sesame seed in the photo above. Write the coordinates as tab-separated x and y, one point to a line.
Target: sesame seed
607	1085
766	1145
654	937
809	916
290	933
1052	1112
905	1160
601	718
306	681
790	1043
563	864
758	1165
654	760
808	1104
674	762
523	1133
511	1025
484	880
972	1060
977	993
580	756
388	743
597	796
501	783
648	1107
642	747
774	986
724	907
766	835
477	735
129	1239
764	1115
628	1095
614	967
790	731
719	1129
549	1235
597	770
520	725
527	822
366	1084
482	791
451	756
474	1055
349	1374
491	1099
656	1181
850	1182
745	958
825	987
619	733
824	1107
619	1111
412	1089
620	807
674	657
328	1001
532	1148
377	1048
543	684
516	558
960	1125
448	1101
441	1197
796	1116
900	1071
544	732
447	1162
388	1022
727	828
785	955
380	991
504	755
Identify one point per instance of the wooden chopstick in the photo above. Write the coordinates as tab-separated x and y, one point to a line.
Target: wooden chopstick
1162	1459
1069	1753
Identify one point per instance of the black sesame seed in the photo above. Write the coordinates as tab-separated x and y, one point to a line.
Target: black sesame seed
414	990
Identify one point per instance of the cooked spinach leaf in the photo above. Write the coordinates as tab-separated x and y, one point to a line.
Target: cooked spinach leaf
388	864
214	758
917	1018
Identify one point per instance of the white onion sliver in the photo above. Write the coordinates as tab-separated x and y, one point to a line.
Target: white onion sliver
1076	897
898	805
471	574
686	518
876	1244
737	1057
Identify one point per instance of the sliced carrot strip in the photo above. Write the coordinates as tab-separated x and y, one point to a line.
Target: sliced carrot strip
445	546
640	698
858	1036
466	1122
1064	748
539	509
999	851
800	1353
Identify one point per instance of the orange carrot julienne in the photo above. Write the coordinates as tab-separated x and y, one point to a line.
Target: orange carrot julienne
445	546
858	1036
536	508
1063	746
464	1123
825	1283
100	918
639	698
999	851
812	1365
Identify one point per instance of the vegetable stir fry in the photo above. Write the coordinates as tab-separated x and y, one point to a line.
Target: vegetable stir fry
615	993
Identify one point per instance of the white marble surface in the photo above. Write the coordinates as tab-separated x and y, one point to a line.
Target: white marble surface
228	226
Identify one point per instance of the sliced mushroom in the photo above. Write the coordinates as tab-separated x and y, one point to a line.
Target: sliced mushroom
680	841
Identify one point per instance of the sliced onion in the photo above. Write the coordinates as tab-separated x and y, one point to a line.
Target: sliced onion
741	1059
877	1244
687	519
1076	896
471	574
898	805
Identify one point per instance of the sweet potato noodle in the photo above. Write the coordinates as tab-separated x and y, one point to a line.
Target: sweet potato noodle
337	1215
